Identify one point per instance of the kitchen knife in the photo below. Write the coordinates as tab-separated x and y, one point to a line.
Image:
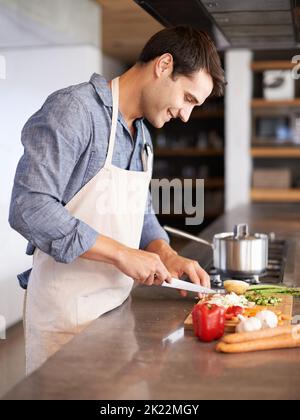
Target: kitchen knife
186	285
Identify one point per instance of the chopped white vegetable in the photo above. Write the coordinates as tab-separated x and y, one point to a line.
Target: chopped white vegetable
231	300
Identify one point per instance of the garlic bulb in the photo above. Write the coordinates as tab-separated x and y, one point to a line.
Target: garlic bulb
268	319
249	325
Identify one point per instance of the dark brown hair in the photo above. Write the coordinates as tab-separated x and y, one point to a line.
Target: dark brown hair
192	51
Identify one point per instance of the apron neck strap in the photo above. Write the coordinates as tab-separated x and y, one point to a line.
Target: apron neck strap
115	111
143	133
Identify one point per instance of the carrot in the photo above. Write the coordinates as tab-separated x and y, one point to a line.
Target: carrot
257	335
252	311
271	343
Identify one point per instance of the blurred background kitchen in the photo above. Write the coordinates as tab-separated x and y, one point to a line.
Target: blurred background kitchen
245	146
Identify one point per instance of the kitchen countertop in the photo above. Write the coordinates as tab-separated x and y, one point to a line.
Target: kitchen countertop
141	351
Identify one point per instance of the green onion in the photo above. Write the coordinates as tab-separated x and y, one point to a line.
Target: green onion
266	286
267	289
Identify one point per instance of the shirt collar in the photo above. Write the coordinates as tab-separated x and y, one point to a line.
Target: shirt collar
102	88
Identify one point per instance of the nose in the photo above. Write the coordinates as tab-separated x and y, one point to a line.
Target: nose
185	114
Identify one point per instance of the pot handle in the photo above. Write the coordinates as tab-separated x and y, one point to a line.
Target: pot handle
241	231
187	236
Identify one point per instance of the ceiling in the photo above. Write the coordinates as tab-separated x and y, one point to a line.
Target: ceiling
126	28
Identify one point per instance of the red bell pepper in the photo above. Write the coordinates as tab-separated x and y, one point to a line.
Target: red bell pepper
233	311
208	321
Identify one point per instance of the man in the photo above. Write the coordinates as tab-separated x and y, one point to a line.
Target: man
85	152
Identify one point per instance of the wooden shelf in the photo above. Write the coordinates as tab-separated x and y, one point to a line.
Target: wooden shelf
275	152
272	65
275	195
268	142
187	152
203	113
264	103
270	148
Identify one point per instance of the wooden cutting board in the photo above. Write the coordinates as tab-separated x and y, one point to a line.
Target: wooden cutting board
285	307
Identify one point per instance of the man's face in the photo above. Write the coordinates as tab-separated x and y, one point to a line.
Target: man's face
167	97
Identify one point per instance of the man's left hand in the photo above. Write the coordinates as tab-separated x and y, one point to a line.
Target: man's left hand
178	265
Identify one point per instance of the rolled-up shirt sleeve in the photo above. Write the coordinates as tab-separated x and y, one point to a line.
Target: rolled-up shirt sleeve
54	139
152	230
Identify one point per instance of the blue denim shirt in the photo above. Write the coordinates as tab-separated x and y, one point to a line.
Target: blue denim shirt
65	145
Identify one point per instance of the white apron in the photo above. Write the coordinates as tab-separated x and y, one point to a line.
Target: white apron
62	299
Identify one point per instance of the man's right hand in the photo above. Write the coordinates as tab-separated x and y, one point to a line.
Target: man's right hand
144	267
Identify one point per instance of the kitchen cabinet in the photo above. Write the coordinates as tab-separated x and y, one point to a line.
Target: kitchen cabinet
246	5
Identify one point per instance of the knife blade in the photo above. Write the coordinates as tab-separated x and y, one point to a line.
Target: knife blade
186	285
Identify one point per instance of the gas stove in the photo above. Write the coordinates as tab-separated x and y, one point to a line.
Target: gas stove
274	273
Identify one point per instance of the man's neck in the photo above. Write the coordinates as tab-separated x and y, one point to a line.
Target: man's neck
130	96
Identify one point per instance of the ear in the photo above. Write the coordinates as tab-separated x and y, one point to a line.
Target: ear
164	65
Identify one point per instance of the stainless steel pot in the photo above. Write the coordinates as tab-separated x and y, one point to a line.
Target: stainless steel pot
236	253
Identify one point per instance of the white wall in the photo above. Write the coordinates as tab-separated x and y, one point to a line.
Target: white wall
49	22
111	67
31	75
238	128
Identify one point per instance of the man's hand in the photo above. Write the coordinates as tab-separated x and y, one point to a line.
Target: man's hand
178	265
144	267
158	263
